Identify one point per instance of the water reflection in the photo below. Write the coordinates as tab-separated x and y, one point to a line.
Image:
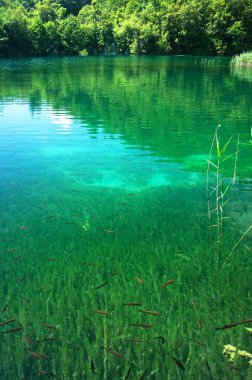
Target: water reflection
63	120
106	161
170	105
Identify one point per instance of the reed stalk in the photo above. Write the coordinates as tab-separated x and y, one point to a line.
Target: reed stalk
217	194
105	342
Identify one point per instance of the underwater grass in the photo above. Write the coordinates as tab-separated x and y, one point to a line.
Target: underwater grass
131	245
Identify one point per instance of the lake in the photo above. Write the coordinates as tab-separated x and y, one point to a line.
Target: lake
125	238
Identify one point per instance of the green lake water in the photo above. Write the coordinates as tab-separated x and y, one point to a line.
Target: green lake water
103	203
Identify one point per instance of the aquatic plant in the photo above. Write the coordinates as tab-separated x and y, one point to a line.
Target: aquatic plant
233	353
52	279
218	188
244	60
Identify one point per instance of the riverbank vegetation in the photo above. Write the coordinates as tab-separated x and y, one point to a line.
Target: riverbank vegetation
52	27
244	60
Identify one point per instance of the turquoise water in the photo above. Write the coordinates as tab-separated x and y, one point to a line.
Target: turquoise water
103	199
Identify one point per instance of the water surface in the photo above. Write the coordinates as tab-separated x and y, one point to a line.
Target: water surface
103	199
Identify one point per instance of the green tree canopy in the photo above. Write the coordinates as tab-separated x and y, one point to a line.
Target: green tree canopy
199	27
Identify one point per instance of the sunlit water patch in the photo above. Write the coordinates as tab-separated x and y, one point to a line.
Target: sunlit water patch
48	139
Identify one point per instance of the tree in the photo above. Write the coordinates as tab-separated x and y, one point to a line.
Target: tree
72	36
127	35
97	22
44	36
16	31
74	6
49	10
3	38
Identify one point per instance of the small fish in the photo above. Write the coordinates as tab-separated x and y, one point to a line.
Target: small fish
113	273
101	285
17	329
17	258
8	322
5	307
197	342
25	277
50	217
139	280
102	312
133	304
43	373
234	324
127	375
90	264
109	231
50	258
74	191
231	367
167	283
37	355
130	194
23	227
161	338
151	312
134	340
11	250
113	352
47	339
48	326
143	325
122	204
178	363
70	222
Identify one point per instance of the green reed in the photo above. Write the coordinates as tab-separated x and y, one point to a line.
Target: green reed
242	60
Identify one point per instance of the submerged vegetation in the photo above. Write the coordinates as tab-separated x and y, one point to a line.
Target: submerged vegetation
90	290
242	60
196	27
79	303
106	272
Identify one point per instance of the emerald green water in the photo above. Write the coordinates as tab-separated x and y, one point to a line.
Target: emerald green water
103	182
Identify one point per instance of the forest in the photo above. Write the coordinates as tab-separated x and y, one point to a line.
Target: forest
92	27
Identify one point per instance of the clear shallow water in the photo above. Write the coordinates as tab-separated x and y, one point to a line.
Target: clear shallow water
103	170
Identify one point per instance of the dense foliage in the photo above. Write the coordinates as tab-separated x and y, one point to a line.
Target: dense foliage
199	27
